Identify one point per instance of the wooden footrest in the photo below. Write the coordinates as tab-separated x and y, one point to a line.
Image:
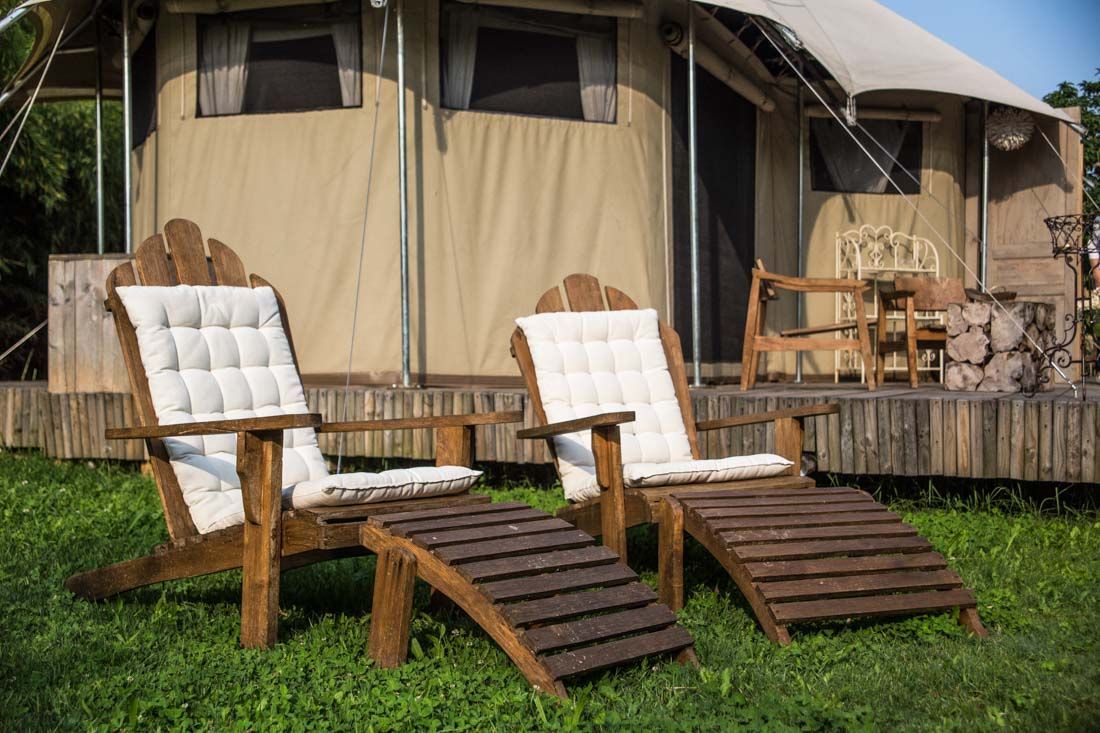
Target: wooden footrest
822	554
545	591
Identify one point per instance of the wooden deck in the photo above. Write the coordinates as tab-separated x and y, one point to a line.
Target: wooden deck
896	430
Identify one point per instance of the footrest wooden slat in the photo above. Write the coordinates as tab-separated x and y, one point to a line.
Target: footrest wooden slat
404	529
859	585
597	628
562	607
842	532
825	548
809	497
778	511
523	565
388	520
621	651
548	584
839	566
443	538
813	520
516	546
891	605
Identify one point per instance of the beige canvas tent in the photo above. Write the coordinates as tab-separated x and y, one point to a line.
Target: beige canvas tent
505	198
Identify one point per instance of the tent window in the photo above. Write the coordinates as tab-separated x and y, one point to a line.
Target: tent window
283	59
838	164
528	62
143	89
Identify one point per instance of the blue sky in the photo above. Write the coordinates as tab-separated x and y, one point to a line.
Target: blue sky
1034	44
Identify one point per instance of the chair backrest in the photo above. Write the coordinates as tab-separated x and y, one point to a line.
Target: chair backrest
932	293
203	342
603	356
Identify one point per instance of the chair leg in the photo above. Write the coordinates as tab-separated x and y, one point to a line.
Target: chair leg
865	343
391	614
911	342
748	349
670	555
968	619
881	337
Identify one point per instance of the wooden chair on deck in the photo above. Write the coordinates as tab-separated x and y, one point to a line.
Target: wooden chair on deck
910	295
243	485
609	389
763	289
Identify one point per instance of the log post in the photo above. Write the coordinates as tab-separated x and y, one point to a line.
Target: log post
391	614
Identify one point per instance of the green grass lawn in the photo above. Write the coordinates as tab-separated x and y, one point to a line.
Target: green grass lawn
166	657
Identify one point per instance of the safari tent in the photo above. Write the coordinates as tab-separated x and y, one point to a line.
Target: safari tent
546	137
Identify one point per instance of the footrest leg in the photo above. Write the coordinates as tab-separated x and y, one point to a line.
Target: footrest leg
969	620
391	613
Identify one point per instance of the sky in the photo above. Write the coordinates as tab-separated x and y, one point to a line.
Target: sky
1034	43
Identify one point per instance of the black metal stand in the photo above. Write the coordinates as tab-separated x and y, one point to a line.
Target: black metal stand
1070	236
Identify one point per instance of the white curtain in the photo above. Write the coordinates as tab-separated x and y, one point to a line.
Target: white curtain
346	36
458	72
224	68
596	63
850	168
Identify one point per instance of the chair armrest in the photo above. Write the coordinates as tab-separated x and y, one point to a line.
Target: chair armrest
414	423
811	284
211	427
791	412
575	426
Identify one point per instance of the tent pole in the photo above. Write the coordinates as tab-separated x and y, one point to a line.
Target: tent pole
800	300
403	184
693	196
127	128
99	234
983	214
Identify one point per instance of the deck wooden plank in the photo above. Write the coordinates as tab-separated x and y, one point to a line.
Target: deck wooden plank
845	507
388	520
805	520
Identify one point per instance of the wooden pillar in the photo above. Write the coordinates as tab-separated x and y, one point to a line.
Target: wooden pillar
391	614
260	466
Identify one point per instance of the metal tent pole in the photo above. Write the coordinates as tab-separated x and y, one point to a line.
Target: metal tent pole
983	214
127	128
99	234
403	183
693	196
800	301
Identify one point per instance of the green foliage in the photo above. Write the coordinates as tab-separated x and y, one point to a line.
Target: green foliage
1086	95
47	200
166	657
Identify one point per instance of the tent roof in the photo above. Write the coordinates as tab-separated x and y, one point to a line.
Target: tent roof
867	47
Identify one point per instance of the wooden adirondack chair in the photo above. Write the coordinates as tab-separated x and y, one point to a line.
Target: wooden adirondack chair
510	567
797	552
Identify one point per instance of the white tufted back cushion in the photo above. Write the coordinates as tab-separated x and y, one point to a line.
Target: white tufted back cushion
606	361
217	352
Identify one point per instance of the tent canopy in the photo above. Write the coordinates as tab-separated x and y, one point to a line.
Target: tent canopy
867	47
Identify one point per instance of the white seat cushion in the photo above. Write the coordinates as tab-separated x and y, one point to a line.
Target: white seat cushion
589	363
708	471
219	352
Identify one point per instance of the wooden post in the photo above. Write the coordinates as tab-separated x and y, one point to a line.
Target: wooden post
454	446
864	339
748	349
607	450
911	341
788	441
391	614
260	466
670	554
